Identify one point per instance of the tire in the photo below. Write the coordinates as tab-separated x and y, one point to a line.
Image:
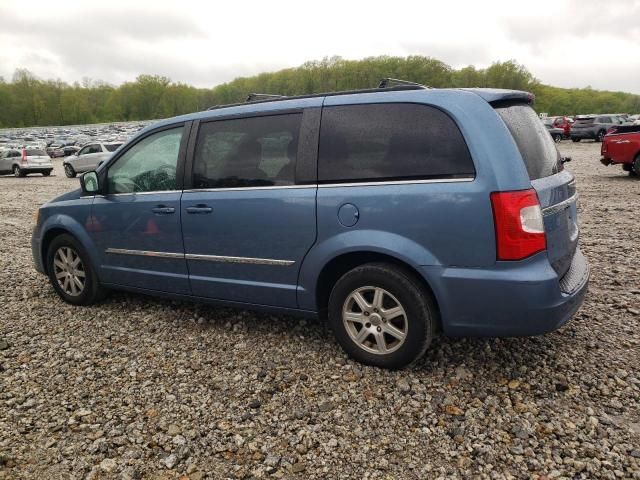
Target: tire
557	138
635	169
62	267
575	140
382	287
18	172
69	171
46	173
600	136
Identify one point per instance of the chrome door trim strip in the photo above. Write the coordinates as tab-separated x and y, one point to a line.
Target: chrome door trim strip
550	210
143	253
249	260
397	182
138	193
209	258
241	189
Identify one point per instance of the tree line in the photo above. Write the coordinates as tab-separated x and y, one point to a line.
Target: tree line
29	101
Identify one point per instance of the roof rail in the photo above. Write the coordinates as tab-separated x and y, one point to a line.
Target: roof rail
262	97
393	82
252	97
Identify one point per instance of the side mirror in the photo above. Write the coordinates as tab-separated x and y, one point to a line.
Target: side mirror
89	183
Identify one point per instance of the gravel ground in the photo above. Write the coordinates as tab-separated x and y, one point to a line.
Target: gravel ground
148	388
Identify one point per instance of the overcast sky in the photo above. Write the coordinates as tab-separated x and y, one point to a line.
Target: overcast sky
572	43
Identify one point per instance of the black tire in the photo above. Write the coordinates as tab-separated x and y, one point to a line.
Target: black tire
69	171
46	173
575	140
17	172
557	138
635	168
418	322
92	292
600	136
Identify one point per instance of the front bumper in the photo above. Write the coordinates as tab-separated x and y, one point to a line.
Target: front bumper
36	250
512	299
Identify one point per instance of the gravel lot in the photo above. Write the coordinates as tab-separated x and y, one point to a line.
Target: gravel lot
146	388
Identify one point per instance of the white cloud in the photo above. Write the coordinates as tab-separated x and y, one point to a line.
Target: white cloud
572	43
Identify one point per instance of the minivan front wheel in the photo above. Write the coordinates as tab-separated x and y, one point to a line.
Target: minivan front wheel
381	315
71	273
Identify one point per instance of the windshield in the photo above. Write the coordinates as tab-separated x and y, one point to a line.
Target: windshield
539	152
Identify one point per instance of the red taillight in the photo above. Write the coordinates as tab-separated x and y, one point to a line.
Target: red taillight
24	156
519	225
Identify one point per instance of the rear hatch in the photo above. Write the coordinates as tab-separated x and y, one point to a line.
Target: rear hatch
582	123
37	156
556	187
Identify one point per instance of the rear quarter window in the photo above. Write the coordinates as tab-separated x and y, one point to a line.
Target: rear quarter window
377	142
537	148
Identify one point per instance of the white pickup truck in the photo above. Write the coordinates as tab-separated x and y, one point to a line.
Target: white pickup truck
88	158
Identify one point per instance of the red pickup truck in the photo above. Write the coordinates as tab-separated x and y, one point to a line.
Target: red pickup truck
623	147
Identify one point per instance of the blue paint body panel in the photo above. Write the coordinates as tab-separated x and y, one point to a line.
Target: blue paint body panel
443	230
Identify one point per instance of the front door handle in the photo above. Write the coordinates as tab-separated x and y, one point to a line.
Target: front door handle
163	210
199	209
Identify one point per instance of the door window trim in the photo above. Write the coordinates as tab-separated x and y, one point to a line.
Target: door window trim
180	165
306	157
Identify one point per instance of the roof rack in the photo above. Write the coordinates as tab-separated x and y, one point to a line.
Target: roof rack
264	97
252	97
393	82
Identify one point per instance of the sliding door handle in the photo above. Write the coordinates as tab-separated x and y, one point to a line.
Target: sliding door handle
162	210
199	209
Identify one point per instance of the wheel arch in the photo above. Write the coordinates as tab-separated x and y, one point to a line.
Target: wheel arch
59	225
341	264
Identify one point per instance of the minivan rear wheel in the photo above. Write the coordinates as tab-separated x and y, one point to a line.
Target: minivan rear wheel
381	315
71	273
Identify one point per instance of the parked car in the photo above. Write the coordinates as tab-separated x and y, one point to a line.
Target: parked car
564	123
556	133
395	213
623	147
593	127
64	151
89	157
25	161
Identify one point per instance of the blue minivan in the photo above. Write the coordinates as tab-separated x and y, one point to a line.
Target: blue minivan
392	213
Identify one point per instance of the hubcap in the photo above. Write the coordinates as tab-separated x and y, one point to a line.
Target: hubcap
69	271
375	320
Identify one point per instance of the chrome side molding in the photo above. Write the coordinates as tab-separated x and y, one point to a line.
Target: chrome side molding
207	258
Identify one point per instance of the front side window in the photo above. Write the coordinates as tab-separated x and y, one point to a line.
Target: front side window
150	165
390	142
247	152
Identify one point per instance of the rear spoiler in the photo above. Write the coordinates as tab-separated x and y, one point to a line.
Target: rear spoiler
497	96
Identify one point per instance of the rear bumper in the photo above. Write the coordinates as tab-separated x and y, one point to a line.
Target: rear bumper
586	134
40	167
511	299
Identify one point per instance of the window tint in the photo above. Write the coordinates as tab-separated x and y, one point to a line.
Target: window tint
150	165
36	153
538	150
390	141
247	152
112	147
604	120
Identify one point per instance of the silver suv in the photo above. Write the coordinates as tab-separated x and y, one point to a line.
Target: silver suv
25	161
88	158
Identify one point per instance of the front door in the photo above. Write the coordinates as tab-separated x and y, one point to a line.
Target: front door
136	224
246	224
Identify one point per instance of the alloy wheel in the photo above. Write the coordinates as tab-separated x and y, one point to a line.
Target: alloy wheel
375	320
69	271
